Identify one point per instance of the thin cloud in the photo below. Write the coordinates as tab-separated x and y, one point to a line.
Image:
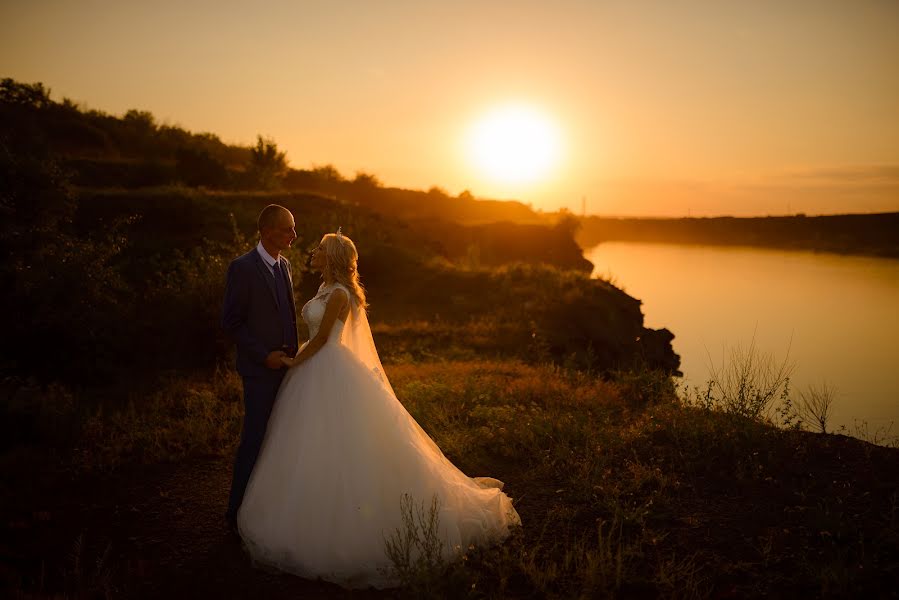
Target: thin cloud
849	174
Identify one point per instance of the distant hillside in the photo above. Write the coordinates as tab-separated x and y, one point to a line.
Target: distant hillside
113	244
493	244
868	234
103	151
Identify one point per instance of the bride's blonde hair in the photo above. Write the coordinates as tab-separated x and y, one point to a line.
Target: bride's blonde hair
341	259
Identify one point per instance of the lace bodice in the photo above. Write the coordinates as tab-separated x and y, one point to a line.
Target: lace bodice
314	310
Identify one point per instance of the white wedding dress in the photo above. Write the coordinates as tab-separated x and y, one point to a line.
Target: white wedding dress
339	455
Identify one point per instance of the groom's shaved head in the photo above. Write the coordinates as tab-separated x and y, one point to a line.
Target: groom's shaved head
270	216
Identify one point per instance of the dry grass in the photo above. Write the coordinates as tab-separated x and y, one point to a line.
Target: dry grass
615	480
182	418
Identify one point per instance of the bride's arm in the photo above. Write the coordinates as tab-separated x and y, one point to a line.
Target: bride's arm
337	301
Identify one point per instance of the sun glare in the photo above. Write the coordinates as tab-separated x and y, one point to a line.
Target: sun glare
514	144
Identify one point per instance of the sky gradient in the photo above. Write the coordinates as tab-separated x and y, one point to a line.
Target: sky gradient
663	108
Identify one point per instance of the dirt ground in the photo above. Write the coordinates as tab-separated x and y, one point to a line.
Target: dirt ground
155	532
159	532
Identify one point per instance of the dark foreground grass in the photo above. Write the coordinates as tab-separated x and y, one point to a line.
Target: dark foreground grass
623	491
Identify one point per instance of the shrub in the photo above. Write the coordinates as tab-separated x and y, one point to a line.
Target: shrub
747	383
815	406
416	551
64	305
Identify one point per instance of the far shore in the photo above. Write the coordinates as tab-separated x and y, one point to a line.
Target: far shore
859	234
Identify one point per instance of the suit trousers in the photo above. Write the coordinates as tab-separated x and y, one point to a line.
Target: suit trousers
259	395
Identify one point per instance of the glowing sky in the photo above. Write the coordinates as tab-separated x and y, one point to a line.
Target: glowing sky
706	107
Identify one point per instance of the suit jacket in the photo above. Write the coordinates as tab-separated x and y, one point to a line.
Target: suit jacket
250	313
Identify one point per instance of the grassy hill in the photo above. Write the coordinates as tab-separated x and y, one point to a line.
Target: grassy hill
120	408
103	256
624	490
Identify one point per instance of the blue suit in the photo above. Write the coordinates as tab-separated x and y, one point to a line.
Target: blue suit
252	318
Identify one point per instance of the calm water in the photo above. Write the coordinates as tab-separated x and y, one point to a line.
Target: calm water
835	315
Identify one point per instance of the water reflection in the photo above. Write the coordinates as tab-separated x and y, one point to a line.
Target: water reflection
835	315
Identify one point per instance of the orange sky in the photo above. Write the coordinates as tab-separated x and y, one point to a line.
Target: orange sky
664	108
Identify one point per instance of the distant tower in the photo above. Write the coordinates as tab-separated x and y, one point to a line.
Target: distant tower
583	206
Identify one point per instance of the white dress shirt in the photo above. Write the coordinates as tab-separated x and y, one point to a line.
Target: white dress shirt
266	257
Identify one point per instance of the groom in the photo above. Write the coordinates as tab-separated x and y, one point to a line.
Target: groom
259	314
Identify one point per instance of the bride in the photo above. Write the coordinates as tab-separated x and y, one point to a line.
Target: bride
341	453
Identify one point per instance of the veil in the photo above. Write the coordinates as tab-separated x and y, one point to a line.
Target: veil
358	338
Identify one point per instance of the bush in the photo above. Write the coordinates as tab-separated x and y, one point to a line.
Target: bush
65	308
416	551
815	406
748	383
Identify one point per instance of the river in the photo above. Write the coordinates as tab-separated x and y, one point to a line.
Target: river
834	317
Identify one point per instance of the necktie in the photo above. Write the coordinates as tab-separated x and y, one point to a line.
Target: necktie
284	311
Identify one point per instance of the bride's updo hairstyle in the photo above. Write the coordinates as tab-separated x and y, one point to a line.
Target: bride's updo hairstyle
341	259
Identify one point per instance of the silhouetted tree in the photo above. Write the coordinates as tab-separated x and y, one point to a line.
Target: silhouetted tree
267	164
172	139
32	95
328	174
366	180
438	192
363	188
140	120
137	136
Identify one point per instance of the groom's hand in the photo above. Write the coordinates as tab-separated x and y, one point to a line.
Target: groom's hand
273	360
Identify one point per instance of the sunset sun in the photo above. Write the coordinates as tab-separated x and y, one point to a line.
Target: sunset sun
514	144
